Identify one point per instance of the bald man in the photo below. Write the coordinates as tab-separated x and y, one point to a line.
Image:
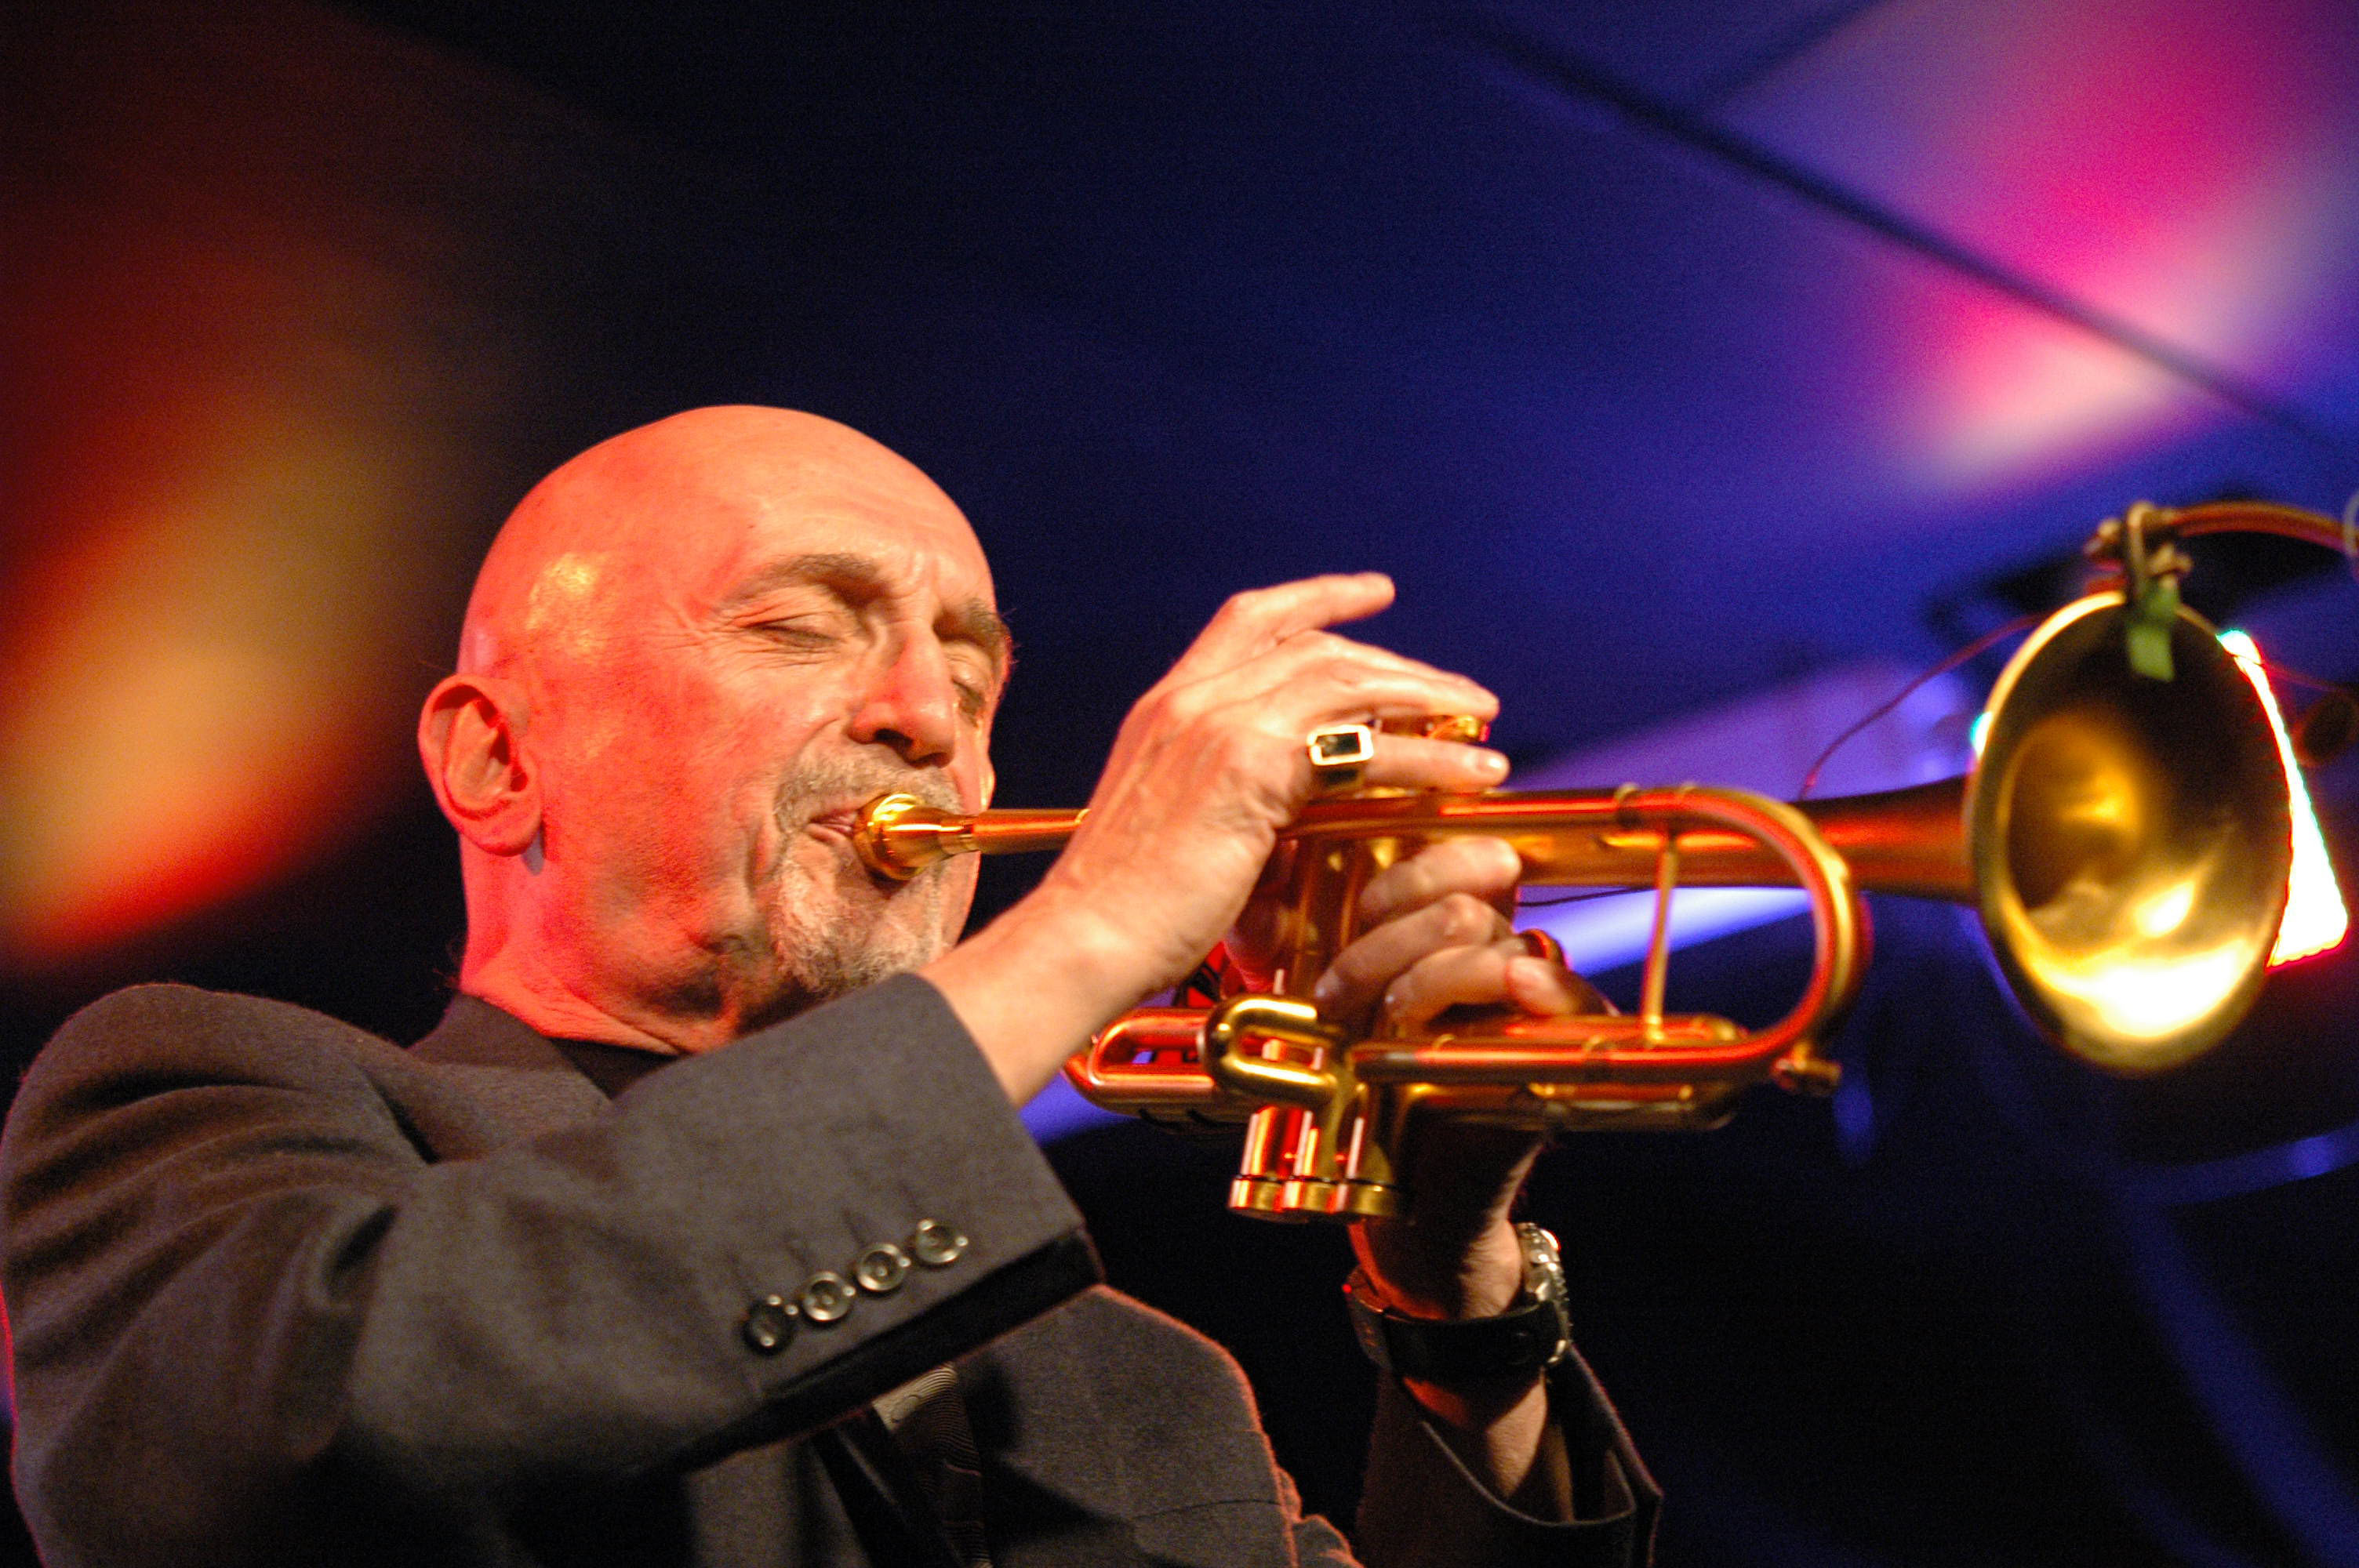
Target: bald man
703	1229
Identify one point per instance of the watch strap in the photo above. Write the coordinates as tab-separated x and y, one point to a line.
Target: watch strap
1530	1336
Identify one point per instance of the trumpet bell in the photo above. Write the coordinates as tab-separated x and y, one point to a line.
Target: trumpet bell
2131	839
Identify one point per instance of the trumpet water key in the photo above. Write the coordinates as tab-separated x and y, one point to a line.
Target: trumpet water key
2125	835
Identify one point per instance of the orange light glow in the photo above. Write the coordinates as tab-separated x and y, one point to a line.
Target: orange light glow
260	358
191	713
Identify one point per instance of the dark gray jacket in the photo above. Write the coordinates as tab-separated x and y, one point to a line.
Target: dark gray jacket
284	1293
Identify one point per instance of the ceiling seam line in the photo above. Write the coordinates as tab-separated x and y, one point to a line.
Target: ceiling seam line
1799	41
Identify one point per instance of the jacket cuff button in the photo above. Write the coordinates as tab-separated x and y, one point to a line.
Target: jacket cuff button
769	1323
826	1296
881	1269
935	1244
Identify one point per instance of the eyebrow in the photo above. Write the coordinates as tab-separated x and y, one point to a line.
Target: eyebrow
857	577
975	622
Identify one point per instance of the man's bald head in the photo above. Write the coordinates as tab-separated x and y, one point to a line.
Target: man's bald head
651	498
690	654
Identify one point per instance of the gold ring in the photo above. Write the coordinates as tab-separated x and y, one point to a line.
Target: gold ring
1540	945
1339	754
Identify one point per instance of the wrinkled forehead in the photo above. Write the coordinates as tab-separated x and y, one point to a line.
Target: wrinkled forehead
645	533
904	540
706	520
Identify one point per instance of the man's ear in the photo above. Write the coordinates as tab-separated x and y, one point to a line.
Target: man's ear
468	736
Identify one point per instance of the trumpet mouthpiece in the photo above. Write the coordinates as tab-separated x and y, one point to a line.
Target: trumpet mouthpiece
897	835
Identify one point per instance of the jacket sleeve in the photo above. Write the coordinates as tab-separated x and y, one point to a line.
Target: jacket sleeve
1421	1506
242	1291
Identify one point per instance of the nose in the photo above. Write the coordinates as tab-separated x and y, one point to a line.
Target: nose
910	703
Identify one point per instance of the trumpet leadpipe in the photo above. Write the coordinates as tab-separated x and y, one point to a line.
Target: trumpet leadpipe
1907	841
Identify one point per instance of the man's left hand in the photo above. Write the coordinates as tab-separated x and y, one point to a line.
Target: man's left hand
1438	942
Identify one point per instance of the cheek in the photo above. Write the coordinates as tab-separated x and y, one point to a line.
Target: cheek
675	776
976	779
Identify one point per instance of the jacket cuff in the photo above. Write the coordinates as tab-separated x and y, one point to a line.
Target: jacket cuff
883	1210
1615	1501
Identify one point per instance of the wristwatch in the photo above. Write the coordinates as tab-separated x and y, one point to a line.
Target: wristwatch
1532	1335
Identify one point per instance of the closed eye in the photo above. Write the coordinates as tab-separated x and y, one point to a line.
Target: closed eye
802	636
977	689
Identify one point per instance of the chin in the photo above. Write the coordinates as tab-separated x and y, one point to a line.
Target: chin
828	948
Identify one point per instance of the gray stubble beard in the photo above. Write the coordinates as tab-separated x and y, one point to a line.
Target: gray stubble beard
819	957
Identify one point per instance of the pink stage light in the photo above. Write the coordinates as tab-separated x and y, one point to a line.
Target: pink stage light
2178	167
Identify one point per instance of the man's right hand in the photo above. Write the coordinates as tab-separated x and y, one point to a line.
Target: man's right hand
1208	768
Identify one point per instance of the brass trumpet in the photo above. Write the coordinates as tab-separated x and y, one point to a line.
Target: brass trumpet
2125	833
